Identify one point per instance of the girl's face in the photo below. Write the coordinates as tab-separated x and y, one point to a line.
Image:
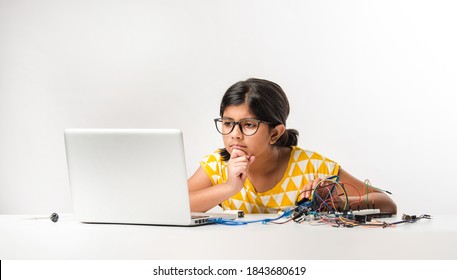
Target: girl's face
256	144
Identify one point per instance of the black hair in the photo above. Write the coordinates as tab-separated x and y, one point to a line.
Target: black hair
267	101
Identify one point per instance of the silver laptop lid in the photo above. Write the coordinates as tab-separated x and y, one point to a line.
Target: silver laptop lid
135	176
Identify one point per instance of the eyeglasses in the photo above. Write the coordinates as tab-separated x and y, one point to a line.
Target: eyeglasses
248	127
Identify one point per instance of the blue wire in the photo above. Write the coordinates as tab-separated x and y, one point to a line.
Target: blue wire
323	201
238	222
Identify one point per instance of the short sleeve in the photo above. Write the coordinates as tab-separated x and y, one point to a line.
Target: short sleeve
214	167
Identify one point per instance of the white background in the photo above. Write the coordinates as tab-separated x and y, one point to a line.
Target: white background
372	84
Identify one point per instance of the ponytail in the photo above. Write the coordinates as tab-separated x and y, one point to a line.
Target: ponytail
289	138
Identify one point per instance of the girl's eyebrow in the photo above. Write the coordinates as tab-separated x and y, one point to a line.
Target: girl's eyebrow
232	119
246	118
227	118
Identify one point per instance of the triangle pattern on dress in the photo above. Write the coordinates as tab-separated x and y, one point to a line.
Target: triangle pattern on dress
309	176
212	165
272	203
302	164
265	199
215	178
309	154
278	198
292	195
285	184
238	196
291	186
316	164
302	156
243	207
286	200
291	168
296	171
296	155
249	207
237	203
330	166
297	180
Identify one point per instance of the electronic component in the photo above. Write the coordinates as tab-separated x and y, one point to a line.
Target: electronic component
365	211
362	218
54	217
412	218
238	213
329	204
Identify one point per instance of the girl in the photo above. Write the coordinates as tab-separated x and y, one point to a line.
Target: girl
261	169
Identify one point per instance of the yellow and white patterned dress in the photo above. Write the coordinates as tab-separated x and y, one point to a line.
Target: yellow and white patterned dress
303	166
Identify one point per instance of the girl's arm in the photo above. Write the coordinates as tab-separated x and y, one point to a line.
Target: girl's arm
357	193
203	195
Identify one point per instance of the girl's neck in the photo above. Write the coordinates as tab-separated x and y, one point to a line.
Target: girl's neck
270	170
267	163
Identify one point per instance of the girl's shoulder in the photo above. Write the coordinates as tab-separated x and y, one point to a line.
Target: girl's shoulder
300	154
213	162
213	165
213	157
312	164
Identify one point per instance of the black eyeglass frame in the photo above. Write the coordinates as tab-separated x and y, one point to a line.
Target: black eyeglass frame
216	120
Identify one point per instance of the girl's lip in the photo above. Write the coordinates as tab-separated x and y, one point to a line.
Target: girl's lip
236	146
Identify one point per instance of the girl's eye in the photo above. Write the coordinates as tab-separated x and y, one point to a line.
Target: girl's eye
250	124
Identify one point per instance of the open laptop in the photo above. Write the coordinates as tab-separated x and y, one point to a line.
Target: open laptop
129	176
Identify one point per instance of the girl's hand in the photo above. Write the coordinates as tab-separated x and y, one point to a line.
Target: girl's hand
308	188
237	168
322	191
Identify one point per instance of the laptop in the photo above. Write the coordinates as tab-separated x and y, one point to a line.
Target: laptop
130	176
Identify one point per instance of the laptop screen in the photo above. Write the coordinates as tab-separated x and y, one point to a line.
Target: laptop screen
135	176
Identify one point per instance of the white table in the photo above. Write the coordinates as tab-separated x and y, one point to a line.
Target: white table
23	237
